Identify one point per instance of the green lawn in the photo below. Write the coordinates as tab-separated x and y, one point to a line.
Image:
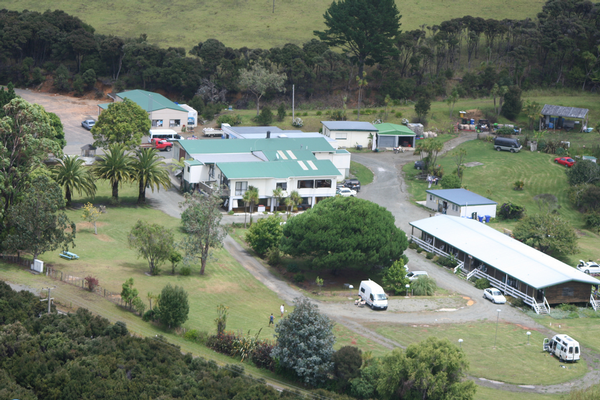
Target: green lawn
252	23
360	172
512	361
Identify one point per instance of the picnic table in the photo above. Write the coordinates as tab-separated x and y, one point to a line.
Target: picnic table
68	255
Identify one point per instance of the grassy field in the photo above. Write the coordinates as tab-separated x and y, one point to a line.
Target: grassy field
512	361
494	179
252	23
484	393
360	172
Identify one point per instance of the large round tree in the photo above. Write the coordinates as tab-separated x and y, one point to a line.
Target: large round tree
122	122
345	232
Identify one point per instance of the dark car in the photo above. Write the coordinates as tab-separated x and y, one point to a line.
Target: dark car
352	184
419	164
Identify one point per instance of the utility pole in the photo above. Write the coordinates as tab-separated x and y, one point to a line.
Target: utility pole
49	299
293	98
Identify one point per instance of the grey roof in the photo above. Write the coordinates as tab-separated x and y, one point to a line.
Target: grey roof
254	129
349	126
461	197
566	112
502	252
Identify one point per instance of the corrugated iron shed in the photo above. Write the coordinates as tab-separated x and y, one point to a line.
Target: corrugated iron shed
565	112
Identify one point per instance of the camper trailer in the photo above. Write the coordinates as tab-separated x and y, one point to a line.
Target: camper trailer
564	347
373	295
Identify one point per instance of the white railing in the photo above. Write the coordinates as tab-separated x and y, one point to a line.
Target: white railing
546	305
429	247
530	301
593	302
470	274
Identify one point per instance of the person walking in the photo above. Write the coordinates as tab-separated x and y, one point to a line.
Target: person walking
429	180
271	320
282	309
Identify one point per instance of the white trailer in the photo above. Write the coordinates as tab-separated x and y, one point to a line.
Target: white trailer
564	347
210	132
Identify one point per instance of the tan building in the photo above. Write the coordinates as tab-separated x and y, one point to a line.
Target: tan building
163	113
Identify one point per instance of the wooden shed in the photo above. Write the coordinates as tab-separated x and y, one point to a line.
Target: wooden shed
567	118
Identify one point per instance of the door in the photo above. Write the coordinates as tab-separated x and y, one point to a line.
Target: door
387	141
540	295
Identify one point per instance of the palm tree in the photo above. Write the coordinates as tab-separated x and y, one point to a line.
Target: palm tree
250	198
149	171
293	200
277	194
73	176
115	166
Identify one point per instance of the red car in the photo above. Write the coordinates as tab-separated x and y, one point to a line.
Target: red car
568	161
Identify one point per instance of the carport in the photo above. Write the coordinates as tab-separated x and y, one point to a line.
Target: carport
555	117
393	135
511	266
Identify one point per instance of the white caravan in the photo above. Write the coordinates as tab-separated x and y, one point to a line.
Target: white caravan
373	295
563	346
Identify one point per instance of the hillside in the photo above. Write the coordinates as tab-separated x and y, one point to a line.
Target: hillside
252	23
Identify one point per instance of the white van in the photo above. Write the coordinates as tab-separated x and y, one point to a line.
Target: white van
564	347
166	134
373	295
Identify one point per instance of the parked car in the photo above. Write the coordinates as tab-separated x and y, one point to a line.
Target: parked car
353	184
419	164
589	267
346	192
494	295
566	161
88	124
414	275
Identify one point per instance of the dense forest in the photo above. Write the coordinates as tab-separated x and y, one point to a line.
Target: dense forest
557	49
82	356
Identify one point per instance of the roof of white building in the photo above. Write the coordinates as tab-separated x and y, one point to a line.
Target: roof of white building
502	252
461	197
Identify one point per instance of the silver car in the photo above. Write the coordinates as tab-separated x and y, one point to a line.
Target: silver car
88	124
494	295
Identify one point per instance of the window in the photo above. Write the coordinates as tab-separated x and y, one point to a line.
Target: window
282	185
174	122
240	188
157	123
341	136
568	292
430	197
306	184
323	183
211	171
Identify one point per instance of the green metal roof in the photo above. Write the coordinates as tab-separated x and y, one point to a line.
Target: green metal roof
394	130
279	169
149	101
193	162
268	146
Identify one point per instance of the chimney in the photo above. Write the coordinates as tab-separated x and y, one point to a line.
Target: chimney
268	134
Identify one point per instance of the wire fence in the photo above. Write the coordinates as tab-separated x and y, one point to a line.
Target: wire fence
66	278
84	284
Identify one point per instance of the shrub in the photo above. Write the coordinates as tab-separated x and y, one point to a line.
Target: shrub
346	364
450	261
518	185
561	151
413	245
319	113
293	268
231	212
222	343
149	315
265	234
482	283
91	282
420	250
185	271
305	114
281	112
592	221
567	307
424	286
261	355
194	335
429	255
273	256
511	211
299	278
265	117
450	182
398	115
232	120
